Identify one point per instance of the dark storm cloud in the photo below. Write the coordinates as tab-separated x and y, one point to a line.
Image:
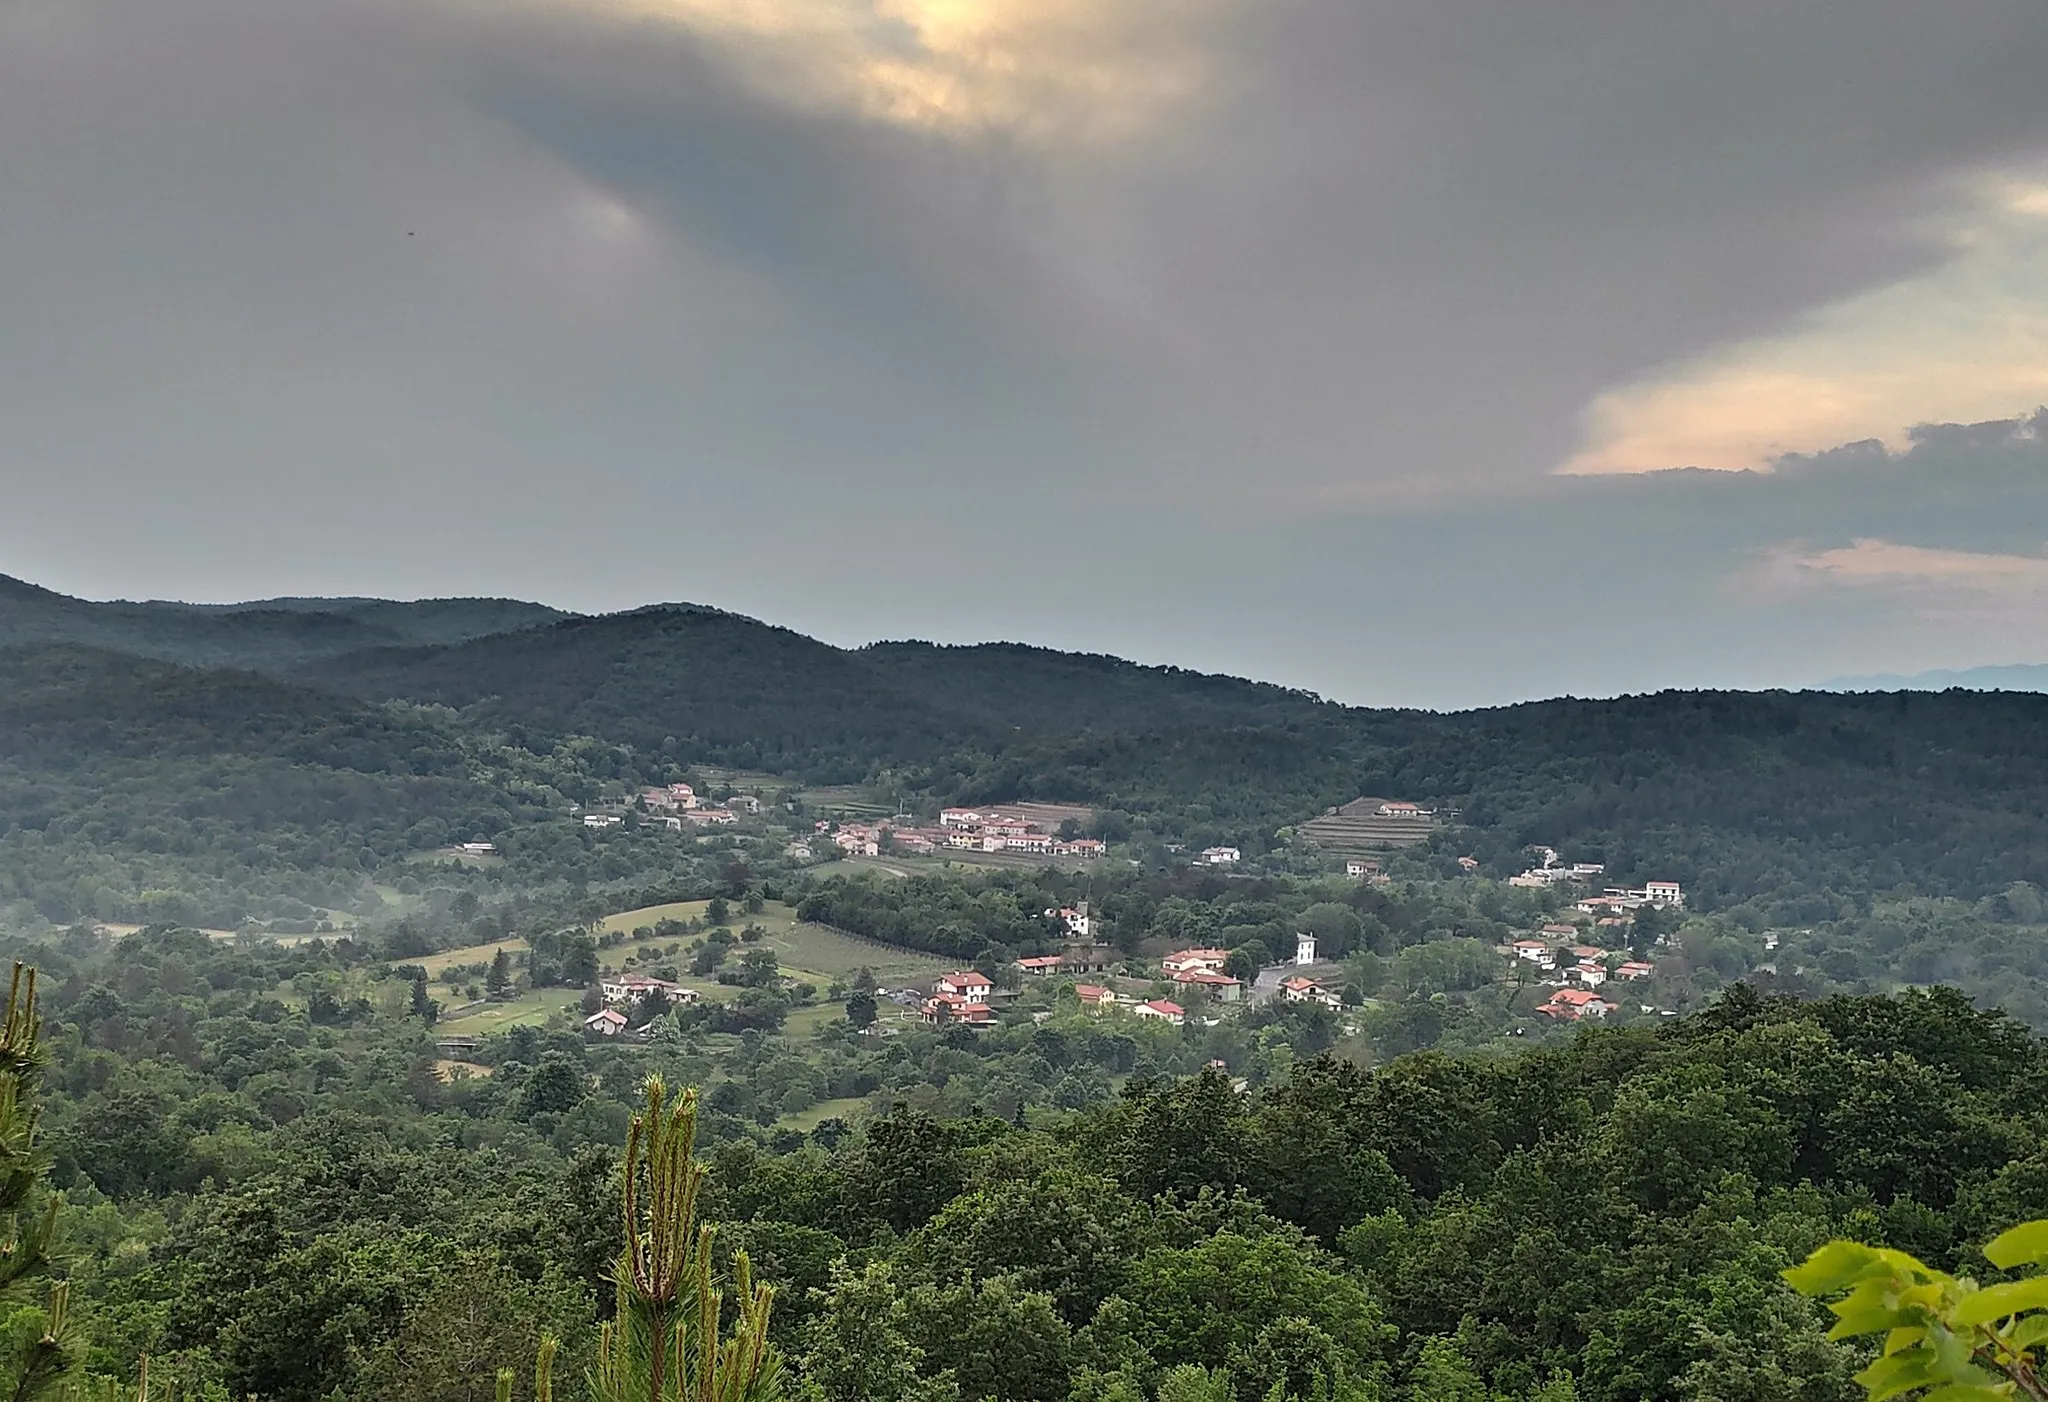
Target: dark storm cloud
462	298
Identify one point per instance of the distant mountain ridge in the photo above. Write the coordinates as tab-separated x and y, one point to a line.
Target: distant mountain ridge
2022	676
268	635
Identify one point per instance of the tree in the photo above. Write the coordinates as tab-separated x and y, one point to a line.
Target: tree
498	981
552	1087
856	1350
861	1009
759	969
423	1007
664	1342
579	959
1443	1374
716	911
36	1368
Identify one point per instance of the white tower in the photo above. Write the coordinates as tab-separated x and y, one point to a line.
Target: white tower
1304	948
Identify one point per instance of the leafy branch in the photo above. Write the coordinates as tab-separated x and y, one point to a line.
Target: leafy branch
1964	1341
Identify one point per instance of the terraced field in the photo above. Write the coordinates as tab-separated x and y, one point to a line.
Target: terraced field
1359	826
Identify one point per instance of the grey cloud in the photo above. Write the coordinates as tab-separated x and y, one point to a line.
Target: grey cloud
297	300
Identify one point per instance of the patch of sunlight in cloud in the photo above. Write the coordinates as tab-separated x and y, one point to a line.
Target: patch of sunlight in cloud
1888	563
1054	71
1966	342
1984	604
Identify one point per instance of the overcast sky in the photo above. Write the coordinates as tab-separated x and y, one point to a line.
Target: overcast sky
1435	352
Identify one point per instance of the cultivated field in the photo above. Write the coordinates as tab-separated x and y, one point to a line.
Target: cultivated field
527	1010
815	952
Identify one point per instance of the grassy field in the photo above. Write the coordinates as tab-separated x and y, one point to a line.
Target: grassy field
876	866
455	1070
528	1010
477	860
809	951
474	954
808	1120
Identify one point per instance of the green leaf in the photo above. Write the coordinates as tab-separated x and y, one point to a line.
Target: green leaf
1864	1321
1901	1372
1831	1268
2028	1242
1998	1301
2029	1331
1903	1338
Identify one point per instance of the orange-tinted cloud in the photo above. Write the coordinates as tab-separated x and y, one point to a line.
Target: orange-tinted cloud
1967	341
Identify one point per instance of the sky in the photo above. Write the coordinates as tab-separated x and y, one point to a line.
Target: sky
1420	352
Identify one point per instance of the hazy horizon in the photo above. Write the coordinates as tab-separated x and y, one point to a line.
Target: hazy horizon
1990	676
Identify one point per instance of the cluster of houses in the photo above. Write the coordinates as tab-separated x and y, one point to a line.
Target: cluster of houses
676	805
1556	873
962	830
627	990
1578	970
1555	950
1200	972
1663	895
1098	999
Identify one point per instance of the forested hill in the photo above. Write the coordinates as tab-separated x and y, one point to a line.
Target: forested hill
1800	800
267	634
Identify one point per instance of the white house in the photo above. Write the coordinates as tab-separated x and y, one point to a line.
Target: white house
1076	919
966	984
1221	856
1360	868
479	849
1183	961
1304	948
601	820
1172	1013
1571	1004
1664	893
1307	990
631	988
1404	810
605	1023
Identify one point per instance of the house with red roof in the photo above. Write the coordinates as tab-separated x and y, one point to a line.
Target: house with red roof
1183	961
1571	1004
970	984
1172	1013
1094	997
943	1008
1222	987
1306	990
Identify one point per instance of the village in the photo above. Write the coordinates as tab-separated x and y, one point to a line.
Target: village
1201	984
